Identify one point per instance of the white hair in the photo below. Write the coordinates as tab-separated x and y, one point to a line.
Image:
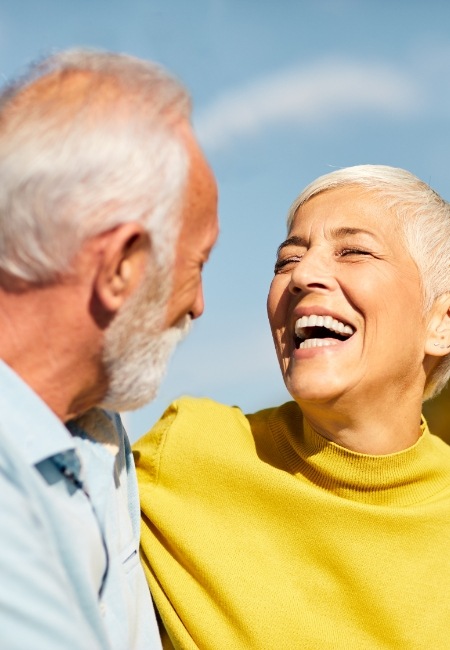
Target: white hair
424	220
88	142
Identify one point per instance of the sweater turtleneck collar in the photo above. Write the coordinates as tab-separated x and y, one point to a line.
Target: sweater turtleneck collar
402	478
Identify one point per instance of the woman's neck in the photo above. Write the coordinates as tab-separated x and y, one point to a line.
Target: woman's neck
371	428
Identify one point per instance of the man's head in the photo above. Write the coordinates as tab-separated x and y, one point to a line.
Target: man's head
97	156
136	356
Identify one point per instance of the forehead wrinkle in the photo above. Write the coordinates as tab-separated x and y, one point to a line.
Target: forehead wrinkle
345	231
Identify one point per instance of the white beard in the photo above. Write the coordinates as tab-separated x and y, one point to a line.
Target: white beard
137	352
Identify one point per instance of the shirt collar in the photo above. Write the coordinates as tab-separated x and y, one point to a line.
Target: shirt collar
28	422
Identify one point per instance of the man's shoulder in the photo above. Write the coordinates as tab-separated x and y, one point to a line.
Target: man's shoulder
14	467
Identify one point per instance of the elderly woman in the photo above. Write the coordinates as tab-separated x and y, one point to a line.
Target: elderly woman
324	522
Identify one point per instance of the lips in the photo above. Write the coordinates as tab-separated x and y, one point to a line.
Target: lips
317	330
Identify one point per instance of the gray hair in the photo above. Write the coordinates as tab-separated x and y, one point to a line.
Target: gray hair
88	142
424	220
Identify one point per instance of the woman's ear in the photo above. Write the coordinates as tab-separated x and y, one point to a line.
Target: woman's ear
438	335
125	254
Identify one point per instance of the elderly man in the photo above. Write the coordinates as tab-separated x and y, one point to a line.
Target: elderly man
107	214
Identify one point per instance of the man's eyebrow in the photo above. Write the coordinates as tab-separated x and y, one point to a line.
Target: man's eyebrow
291	241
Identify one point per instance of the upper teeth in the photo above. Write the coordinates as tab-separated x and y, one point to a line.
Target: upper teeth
321	321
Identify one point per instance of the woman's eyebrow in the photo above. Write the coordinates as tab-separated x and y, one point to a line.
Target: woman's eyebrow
336	233
345	231
291	241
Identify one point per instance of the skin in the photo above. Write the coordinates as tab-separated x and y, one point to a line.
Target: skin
53	336
344	257
198	234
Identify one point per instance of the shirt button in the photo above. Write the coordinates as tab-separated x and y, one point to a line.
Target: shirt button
102	609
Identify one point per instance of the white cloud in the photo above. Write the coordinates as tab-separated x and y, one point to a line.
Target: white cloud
306	95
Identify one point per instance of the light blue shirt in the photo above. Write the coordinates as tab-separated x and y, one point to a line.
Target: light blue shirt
70	575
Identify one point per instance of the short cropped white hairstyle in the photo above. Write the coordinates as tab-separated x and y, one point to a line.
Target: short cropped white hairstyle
424	220
88	142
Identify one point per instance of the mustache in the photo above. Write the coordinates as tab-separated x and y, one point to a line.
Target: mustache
183	326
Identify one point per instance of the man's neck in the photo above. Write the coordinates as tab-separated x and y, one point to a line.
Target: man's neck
49	344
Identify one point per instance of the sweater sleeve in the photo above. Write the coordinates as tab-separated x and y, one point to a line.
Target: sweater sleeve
177	461
148	450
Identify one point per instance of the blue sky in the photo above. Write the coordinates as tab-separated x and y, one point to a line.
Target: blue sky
283	92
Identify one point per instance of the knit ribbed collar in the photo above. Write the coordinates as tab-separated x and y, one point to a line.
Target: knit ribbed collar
403	478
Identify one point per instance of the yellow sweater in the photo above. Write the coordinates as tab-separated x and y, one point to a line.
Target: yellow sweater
259	534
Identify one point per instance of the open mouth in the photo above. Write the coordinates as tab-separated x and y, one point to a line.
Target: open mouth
320	331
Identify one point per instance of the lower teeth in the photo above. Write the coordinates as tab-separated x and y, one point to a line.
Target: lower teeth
317	343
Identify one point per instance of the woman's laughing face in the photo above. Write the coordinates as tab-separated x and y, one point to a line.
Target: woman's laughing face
346	302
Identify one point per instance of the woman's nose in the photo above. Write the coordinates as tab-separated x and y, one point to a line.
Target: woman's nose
314	272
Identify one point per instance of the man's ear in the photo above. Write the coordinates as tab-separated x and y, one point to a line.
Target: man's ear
125	254
438	335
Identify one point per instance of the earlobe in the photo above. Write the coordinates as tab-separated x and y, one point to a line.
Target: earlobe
438	338
123	263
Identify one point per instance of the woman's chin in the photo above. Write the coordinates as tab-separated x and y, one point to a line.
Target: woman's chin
319	390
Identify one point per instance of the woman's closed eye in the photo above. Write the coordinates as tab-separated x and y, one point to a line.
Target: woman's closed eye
346	252
285	264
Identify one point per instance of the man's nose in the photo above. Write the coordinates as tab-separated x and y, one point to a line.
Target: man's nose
198	306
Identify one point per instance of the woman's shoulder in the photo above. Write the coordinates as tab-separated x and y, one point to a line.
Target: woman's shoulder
206	410
186	423
194	422
201	436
